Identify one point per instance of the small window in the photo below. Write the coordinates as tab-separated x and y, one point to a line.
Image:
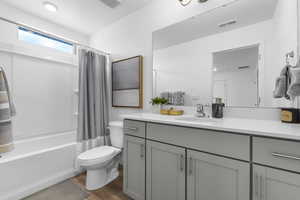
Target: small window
44	40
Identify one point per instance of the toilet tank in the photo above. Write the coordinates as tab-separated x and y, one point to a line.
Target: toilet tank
116	134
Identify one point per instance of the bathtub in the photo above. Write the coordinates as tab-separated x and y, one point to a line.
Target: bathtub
36	164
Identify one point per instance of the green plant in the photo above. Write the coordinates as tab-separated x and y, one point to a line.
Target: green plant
158	101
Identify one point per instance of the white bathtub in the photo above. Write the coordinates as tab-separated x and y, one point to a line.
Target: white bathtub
36	164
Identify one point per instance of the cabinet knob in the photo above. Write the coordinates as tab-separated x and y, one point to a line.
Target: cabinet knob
181	162
191	166
131	128
262	188
142	150
256	186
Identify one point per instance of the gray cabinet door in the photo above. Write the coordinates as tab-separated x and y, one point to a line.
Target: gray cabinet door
273	184
212	177
134	167
165	172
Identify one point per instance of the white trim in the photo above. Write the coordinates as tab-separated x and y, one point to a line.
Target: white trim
22	138
4	106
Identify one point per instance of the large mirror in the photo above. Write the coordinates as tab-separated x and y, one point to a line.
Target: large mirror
234	52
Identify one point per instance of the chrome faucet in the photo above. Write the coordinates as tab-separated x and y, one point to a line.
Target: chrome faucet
200	111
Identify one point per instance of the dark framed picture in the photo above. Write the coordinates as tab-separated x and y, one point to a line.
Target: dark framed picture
127	83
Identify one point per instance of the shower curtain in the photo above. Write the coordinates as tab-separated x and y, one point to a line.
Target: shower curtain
93	116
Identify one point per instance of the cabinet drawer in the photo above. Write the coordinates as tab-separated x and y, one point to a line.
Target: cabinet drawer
277	153
231	145
135	128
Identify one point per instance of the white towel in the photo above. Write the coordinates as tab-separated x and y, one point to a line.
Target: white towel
7	110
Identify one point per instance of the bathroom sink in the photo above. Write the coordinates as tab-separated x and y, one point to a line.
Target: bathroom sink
197	119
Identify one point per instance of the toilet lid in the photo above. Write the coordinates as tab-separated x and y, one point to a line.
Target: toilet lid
102	153
116	124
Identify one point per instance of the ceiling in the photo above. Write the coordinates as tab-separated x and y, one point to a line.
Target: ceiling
245	12
84	16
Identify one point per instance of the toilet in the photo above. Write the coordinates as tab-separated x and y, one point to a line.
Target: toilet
102	162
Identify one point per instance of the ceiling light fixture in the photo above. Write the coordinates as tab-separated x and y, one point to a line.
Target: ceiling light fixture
228	23
187	2
50	6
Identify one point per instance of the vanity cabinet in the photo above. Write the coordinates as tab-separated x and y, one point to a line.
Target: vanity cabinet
134	167
135	128
215	177
167	162
277	153
165	172
273	184
217	142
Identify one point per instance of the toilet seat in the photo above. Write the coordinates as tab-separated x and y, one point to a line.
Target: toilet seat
98	155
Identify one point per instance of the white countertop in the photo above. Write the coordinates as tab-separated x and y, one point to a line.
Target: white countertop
236	125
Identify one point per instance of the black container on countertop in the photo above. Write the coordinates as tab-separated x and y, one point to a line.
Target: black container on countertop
218	109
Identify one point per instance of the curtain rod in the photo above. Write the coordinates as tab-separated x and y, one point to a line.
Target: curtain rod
52	35
82	46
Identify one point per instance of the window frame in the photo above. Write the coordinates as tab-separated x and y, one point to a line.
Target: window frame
51	38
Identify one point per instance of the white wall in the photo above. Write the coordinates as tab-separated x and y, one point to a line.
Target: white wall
43	95
188	66
284	26
9	12
132	35
42	83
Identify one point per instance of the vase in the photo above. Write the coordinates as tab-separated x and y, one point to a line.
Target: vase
156	109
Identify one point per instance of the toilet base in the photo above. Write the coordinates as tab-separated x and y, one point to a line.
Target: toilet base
98	178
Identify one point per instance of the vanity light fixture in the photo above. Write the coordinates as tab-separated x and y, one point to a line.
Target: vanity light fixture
187	2
50	6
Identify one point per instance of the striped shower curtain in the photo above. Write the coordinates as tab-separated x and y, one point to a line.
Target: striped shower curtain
7	110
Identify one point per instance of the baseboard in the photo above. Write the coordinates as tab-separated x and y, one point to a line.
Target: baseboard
29	190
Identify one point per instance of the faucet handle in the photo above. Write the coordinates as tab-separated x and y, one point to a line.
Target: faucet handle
200	108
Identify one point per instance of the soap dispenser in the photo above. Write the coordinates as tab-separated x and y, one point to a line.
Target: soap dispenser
218	108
